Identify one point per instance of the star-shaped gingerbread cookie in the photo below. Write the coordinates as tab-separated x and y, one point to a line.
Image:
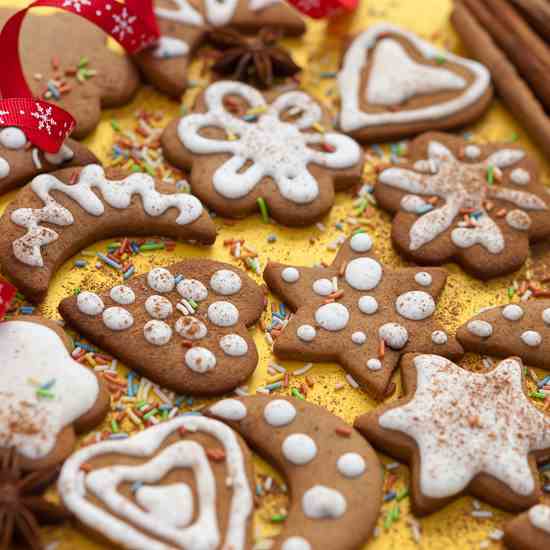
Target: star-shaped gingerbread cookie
463	433
360	314
529	531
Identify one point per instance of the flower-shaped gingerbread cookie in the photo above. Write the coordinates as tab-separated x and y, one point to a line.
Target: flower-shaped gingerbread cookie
240	149
463	432
480	205
183	327
360	314
529	531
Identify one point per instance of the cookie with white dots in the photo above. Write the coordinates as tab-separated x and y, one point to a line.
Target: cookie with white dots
521	329
184	326
530	530
333	475
360	314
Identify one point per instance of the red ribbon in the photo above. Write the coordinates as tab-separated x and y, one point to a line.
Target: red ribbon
46	125
319	9
7	294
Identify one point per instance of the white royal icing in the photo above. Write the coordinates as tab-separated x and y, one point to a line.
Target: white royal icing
234	345
4	168
363	273
472	152
290	274
191	289
539	516
279	412
546	316
157	333
223	314
512	312
123	295
518	219
279	150
161	280
200	360
158	307
423	278
172	504
321	502
117	318
191	328
519	176
169	47
483	329
89	303
412	203
351	465
367	305
332	317
296	543
12	138
531	338
395	335
229	409
374	364
225	282
361	242
306	333
65	154
299	449
415	305
323	287
359	338
439	337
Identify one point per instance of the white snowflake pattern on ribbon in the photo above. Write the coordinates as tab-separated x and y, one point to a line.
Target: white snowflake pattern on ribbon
76	4
3	113
44	118
123	24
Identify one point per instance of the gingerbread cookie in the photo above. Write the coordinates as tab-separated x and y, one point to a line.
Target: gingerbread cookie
184	26
183	484
480	205
516	329
529	531
46	396
67	60
184	327
59	214
356	314
394	84
243	150
334	476
463	432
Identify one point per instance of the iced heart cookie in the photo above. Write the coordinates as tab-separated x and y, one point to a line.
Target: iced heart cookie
243	150
480	205
59	214
183	327
529	531
358	314
516	329
463	432
394	84
183	484
66	60
184	27
46	396
333	475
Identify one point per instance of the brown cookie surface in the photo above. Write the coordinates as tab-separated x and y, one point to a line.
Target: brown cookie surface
183	327
46	395
394	84
529	531
479	205
185	483
359	314
334	476
463	433
59	214
243	149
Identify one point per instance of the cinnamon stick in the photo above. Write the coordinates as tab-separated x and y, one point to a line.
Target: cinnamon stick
512	88
538	12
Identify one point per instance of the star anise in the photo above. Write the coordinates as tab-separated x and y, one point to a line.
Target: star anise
22	505
257	58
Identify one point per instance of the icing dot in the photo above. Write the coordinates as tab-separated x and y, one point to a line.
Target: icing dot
374	364
191	328
306	333
351	465
396	336
123	295
279	412
546	316
363	273
89	303
518	219
361	242
415	305
332	317
512	312
531	338
200	359
161	280
423	278
63	155
225	282
323	287
480	328
296	543
234	345
367	305
322	502
117	318
413	203
223	314
157	333
519	176
13	138
359	338
299	449
439	337
4	168
158	307
229	409
191	289
472	152
290	274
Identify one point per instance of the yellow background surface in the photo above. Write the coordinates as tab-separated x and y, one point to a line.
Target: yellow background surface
320	51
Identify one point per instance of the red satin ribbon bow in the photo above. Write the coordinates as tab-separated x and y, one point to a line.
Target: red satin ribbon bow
7	294
319	9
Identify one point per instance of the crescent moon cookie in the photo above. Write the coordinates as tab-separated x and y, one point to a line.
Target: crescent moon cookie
334	476
243	150
184	27
59	214
463	433
183	327
183	484
45	396
82	78
394	84
529	531
356	314
480	205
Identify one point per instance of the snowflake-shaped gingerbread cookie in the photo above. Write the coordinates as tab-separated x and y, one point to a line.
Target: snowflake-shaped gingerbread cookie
480	205
240	149
360	314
